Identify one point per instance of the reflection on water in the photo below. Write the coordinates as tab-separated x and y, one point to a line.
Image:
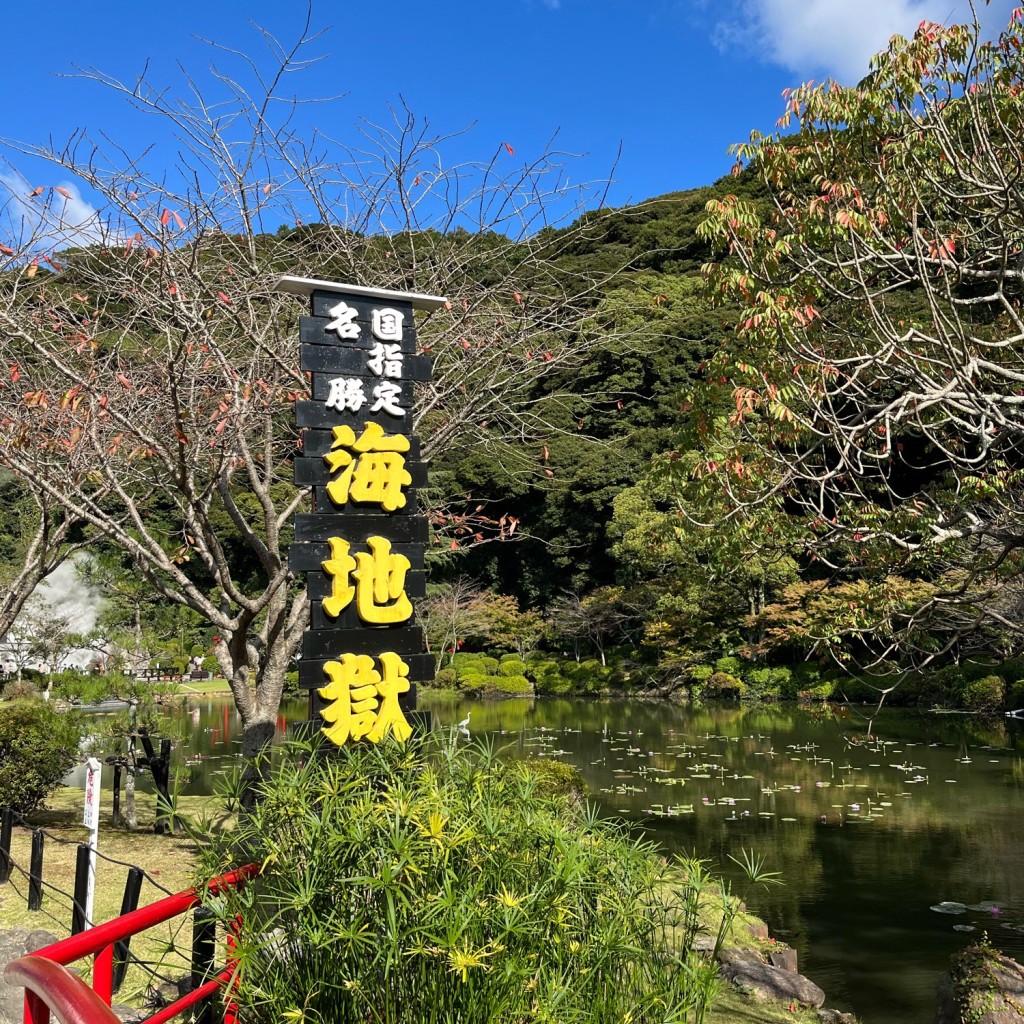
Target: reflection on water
868	834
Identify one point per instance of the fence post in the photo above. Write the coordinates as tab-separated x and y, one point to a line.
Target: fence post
116	811
6	827
129	902
35	872
204	933
82	865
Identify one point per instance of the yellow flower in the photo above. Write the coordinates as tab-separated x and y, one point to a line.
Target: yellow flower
508	899
460	961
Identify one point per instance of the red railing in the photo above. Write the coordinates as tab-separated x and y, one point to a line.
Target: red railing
51	988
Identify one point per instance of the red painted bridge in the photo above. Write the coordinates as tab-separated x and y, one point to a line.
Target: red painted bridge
51	989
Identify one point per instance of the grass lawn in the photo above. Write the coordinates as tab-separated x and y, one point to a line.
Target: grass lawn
170	860
216	685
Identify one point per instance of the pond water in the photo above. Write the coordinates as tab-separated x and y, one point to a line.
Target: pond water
868	834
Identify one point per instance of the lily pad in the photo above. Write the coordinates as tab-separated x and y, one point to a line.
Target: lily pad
964	928
949	907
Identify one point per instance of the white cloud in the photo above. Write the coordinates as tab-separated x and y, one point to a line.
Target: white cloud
58	218
837	38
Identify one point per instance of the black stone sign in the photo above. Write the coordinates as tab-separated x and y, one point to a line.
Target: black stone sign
360	348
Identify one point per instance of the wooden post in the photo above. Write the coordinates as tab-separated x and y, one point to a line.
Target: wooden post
116	812
129	902
6	827
204	933
35	872
82	866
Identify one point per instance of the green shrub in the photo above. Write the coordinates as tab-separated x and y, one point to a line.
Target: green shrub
513	686
722	684
38	747
805	675
444	679
984	695
758	678
537	669
291	681
461	660
512	667
77	688
701	673
554	778
490	665
19	689
404	883
823	691
729	666
510	657
474	682
554	684
1015	695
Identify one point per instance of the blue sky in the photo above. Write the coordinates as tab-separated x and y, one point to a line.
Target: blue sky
673	82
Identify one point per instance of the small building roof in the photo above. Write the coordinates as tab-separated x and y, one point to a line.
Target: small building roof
307	285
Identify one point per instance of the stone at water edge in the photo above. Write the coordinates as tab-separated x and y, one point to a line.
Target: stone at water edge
769	982
836	1017
998	998
784	958
739	955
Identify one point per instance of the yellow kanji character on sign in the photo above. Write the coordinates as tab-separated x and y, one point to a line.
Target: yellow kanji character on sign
379	576
389	717
374	473
338	566
354	688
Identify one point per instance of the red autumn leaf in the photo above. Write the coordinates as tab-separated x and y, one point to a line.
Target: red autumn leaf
518	298
455	545
548	357
544	453
15	373
266	189
511	151
465	344
173	289
165	218
124	381
63	191
6	249
416	180
179	222
181	437
223	298
548	472
36	192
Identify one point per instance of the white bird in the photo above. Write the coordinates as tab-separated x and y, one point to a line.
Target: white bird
463	726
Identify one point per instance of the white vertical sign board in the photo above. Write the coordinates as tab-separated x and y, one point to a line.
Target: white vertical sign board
91	820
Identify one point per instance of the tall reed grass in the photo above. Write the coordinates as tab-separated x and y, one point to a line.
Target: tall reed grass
432	882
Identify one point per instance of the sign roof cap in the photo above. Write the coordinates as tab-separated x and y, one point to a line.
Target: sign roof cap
307	285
